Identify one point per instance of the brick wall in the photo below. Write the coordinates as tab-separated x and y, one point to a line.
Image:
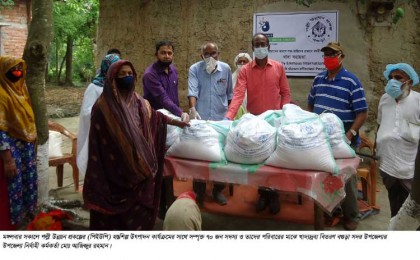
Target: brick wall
13	29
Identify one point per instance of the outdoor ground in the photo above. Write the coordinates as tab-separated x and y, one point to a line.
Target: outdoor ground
63	101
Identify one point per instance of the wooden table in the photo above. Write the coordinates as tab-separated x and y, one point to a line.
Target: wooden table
326	190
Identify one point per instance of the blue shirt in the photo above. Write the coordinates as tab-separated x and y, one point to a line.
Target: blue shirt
343	95
161	89
211	90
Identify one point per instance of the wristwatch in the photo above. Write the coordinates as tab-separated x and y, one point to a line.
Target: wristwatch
353	132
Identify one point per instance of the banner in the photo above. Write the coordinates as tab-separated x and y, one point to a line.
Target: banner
296	39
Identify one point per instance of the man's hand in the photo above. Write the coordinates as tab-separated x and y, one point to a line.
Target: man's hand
185	117
194	114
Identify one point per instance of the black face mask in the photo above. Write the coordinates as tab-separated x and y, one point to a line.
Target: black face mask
125	83
12	77
164	63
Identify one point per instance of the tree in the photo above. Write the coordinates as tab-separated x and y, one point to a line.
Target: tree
74	31
36	56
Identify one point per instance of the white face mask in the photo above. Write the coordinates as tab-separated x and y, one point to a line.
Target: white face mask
211	64
261	53
239	66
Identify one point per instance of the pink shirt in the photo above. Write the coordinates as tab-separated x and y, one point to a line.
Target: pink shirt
267	88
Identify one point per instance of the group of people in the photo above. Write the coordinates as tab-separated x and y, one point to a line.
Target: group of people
121	142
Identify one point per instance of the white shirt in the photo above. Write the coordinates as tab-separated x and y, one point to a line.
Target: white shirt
92	93
396	153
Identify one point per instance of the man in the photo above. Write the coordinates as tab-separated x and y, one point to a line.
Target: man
398	133
160	81
160	88
209	94
264	82
408	217
338	91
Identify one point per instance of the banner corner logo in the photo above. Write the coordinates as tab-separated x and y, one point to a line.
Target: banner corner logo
318	29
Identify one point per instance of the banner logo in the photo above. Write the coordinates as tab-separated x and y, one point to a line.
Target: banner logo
318	29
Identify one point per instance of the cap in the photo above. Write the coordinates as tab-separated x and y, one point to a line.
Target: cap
404	67
335	46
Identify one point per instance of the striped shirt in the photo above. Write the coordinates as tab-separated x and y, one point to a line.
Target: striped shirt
343	95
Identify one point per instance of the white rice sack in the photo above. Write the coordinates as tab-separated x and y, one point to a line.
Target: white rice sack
303	146
292	114
335	131
273	117
172	132
200	141
250	140
54	144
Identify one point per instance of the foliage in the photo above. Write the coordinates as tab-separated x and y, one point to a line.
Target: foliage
76	19
6	3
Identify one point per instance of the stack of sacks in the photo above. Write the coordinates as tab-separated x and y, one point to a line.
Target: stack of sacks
203	140
172	132
338	140
302	142
273	117
250	140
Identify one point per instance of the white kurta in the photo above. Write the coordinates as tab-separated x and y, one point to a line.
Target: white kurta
91	95
398	134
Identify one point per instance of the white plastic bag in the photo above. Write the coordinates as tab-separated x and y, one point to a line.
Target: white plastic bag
250	140
54	144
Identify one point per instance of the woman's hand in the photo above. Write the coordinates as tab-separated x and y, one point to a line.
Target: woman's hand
9	165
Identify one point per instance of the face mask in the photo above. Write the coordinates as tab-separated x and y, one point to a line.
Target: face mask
14	75
164	63
393	88
211	64
125	83
261	53
331	63
239	66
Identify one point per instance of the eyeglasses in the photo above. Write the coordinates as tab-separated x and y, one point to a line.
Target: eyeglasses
208	55
331	55
397	77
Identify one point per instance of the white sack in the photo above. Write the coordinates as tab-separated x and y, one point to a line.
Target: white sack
335	131
273	117
200	141
303	146
250	140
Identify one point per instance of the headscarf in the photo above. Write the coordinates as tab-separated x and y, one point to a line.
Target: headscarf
133	138
105	64
16	114
240	55
403	67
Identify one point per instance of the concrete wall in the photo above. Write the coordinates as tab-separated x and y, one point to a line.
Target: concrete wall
13	29
136	25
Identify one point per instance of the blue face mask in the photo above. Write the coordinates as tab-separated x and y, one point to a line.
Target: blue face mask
393	88
126	82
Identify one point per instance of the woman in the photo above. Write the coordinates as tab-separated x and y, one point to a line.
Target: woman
93	91
240	60
126	151
18	177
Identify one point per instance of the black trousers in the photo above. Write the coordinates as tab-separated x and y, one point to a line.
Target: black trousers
398	190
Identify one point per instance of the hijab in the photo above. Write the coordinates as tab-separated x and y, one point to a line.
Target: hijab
105	64
128	122
16	114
